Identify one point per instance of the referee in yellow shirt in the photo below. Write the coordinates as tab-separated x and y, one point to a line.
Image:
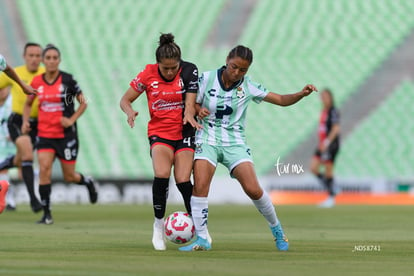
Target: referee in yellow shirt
24	143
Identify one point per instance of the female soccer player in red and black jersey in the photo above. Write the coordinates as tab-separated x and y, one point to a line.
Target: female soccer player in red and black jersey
328	146
170	86
57	131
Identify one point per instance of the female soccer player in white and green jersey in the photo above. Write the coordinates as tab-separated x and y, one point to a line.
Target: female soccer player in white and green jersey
223	99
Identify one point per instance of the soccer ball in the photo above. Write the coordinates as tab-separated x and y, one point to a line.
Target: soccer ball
179	227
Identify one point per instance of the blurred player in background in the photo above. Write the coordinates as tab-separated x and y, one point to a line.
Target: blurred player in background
328	146
224	97
24	143
9	71
57	130
7	148
170	85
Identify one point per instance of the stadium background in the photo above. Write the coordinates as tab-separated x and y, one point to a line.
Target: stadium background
362	50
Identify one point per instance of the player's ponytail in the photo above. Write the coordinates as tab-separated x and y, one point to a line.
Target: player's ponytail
167	48
241	52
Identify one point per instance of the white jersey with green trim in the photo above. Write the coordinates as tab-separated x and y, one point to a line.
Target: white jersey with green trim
225	126
7	147
3	63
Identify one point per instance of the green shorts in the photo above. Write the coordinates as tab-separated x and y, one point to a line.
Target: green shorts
229	156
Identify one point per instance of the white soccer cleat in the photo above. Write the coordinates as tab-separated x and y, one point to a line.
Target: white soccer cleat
209	239
158	238
328	203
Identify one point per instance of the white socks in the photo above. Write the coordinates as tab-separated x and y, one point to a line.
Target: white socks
266	208
199	210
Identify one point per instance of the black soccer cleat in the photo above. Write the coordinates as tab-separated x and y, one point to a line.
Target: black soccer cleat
36	205
10	208
93	194
46	219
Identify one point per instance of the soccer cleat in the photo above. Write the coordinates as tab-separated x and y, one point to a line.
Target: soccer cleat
328	203
199	245
4	186
10	207
92	187
46	219
282	242
36	205
209	239
158	238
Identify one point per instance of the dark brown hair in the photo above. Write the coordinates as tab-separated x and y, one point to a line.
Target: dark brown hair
167	48
242	52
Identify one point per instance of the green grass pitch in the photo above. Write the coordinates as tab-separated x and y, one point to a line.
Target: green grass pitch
116	240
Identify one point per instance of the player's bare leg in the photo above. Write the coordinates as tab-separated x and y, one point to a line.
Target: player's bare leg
71	176
246	175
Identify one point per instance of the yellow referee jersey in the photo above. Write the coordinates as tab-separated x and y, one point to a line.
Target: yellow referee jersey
18	96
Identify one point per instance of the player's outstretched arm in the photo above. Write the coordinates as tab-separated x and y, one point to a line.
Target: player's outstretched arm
289	99
126	105
27	89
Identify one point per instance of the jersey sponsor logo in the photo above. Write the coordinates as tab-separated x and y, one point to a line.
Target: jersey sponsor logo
223	110
71	143
170	92
165	105
193	85
51	106
213	93
195	72
218	121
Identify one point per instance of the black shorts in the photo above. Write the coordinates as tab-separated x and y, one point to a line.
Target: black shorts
14	124
329	155
66	149
187	143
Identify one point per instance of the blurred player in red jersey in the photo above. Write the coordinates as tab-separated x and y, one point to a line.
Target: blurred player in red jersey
328	146
171	86
4	185
57	129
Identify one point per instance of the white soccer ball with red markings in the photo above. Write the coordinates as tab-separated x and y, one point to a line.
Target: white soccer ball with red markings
179	227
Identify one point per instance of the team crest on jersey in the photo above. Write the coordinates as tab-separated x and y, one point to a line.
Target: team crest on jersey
62	88
40	89
181	83
240	93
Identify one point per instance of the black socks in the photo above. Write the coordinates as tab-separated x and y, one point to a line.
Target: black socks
186	190
159	196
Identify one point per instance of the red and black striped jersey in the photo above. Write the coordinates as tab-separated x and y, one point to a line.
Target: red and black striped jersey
166	99
56	100
328	118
